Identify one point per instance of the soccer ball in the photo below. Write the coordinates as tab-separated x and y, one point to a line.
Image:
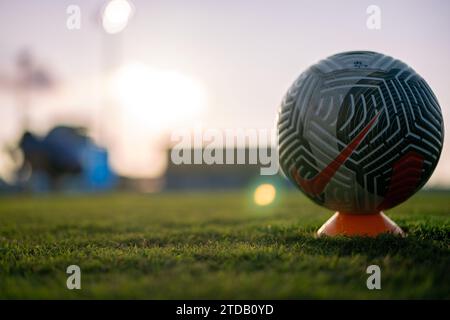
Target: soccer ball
359	132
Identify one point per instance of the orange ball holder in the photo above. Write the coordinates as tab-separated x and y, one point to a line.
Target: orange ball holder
369	225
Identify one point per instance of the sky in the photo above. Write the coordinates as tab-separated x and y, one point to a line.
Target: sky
240	57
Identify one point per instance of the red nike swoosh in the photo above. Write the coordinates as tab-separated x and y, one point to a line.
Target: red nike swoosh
316	185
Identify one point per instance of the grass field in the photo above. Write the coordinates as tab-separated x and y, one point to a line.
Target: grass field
214	245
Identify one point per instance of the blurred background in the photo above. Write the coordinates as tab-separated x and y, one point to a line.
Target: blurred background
91	90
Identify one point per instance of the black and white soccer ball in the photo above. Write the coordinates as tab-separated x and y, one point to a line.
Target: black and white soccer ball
359	132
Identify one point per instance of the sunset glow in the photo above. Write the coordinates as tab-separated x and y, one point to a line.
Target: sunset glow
157	98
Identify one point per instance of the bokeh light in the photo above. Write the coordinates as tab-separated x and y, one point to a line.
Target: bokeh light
116	15
264	194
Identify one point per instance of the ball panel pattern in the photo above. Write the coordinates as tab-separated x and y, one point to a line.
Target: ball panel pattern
329	105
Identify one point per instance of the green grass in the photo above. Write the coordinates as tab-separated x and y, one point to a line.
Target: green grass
214	245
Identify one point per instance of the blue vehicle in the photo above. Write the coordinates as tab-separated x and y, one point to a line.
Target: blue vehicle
66	159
